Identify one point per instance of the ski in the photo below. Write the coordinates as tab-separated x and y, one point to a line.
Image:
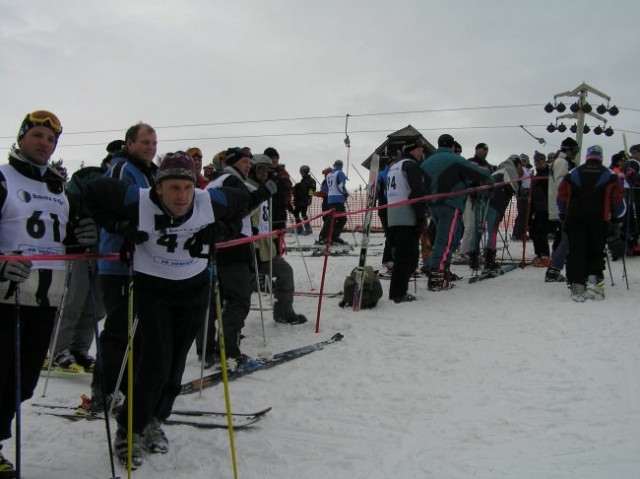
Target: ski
374	166
315	294
82	409
253	365
490	274
214	422
58	372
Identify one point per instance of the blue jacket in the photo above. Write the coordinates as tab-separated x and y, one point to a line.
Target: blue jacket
131	172
446	172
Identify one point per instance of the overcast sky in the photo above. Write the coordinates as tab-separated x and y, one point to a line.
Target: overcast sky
103	66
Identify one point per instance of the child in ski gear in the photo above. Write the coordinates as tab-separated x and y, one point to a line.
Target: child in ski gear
35	219
590	197
174	223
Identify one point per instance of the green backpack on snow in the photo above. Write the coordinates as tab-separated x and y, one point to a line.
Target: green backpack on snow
371	288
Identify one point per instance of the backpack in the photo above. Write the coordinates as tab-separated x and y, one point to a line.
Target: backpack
371	288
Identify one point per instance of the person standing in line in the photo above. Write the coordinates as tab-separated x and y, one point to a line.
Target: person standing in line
590	200
446	172
539	226
235	264
196	155
522	199
76	333
35	218
133	166
561	165
471	217
268	261
174	223
303	192
406	221
508	172
323	193
337	195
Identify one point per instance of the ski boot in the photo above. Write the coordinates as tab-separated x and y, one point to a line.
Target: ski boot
595	288
578	293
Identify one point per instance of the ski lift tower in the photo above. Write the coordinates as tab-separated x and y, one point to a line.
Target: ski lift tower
578	110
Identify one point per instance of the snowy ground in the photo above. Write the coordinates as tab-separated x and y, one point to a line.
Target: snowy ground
507	378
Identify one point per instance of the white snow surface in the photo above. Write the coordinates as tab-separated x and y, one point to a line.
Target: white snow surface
506	378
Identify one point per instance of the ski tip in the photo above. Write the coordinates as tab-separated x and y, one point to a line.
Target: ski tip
337	337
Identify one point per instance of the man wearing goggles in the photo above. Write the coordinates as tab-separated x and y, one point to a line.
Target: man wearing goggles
34	214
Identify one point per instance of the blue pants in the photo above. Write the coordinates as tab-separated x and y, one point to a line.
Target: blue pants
448	235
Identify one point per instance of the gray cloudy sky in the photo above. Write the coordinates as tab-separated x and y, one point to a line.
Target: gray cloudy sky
102	66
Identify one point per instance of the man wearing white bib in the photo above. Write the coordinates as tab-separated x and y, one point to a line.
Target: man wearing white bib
173	224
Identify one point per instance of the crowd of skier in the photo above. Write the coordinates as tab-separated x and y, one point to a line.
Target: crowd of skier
156	225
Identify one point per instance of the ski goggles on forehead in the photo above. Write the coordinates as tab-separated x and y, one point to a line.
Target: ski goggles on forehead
45	118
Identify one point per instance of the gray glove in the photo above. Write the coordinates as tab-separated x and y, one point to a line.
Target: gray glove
271	186
17	271
86	232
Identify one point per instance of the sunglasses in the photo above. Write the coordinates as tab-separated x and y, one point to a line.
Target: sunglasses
45	118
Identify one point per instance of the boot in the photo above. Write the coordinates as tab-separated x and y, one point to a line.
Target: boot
474	260
578	293
155	440
283	310
490	263
307	229
121	448
6	468
554	275
438	281
595	288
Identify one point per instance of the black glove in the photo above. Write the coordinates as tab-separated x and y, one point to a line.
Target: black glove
86	232
613	232
486	194
269	187
17	271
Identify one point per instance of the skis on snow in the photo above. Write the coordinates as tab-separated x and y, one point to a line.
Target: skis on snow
179	417
253	365
505	268
366	231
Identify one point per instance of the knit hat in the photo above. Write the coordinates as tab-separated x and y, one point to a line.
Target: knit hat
413	144
338	164
634	148
326	171
193	151
176	165
234	154
482	146
524	156
115	146
271	152
594	153
40	118
445	141
537	156
568	143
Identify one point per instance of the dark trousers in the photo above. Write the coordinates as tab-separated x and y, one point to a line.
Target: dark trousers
170	314
520	225
387	253
236	289
36	325
338	224
539	232
406	241
114	335
587	237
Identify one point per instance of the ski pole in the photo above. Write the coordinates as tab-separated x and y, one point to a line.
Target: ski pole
304	261
54	339
255	265
130	333
18	382
223	364
606	255
99	362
